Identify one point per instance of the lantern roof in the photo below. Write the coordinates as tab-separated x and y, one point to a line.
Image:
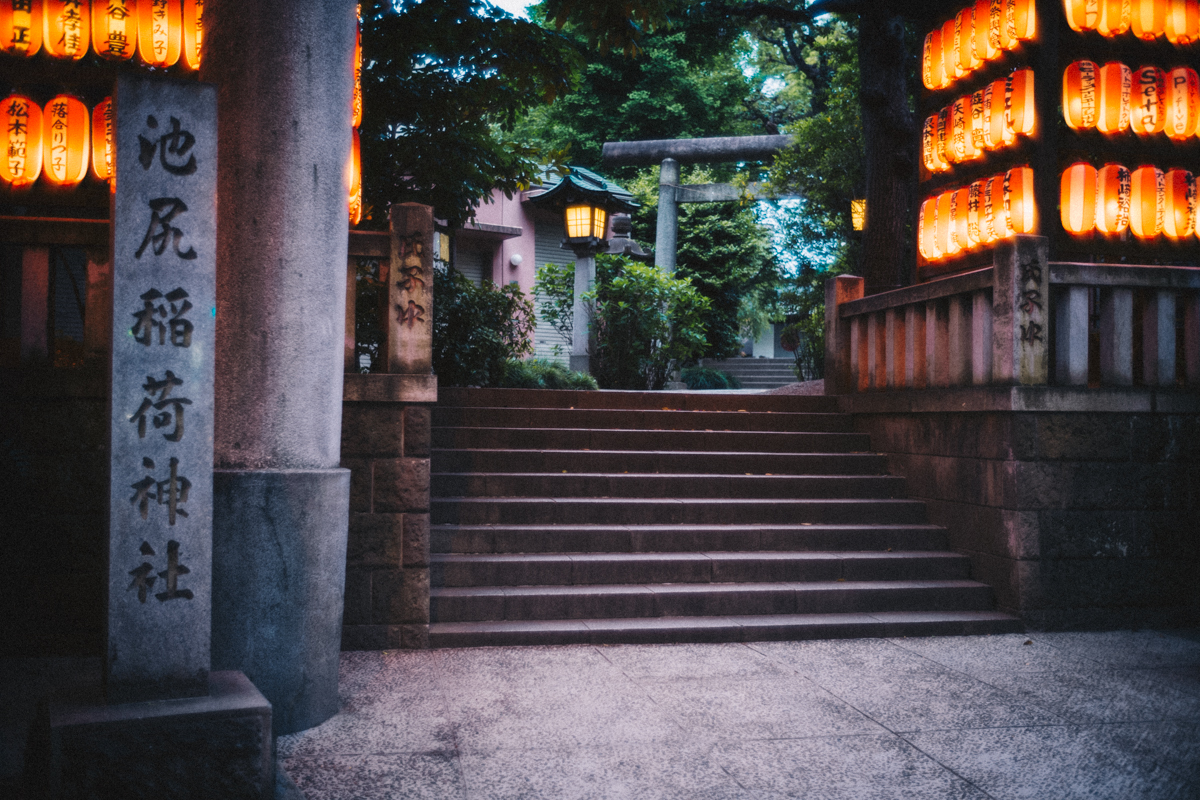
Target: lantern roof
583	185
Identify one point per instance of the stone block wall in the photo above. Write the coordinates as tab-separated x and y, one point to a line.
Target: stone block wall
385	445
1081	508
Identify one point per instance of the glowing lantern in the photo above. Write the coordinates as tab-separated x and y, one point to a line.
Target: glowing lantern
1112	192
964	30
1082	15
997	132
1147	202
945	243
1116	86
988	229
984	50
978	135
65	28
1019	105
1114	17
1078	198
1183	21
585	221
996	25
102	140
114	28
1179	194
1020	20
998	194
20	27
927	225
951	69
1079	95
927	63
956	147
960	218
1183	103
1019	202
355	182
1148	105
941	143
1148	18
356	104
66	130
934	160
22	161
193	32
937	72
160	32
974	209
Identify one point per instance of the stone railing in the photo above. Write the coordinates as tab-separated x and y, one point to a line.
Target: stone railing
1022	321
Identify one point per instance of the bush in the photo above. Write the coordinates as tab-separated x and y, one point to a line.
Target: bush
477	329
707	378
539	373
554	286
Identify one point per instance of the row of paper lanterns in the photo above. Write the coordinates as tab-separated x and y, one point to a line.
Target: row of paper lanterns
977	34
969	217
356	109
159	31
988	119
1178	20
1114	98
57	142
1146	201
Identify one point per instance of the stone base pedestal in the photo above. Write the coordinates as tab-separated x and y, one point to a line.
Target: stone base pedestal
581	363
214	746
279	571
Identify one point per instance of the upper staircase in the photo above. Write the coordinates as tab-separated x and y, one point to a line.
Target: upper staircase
569	517
756	373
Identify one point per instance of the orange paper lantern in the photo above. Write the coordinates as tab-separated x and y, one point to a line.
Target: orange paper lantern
103	150
983	41
996	25
1019	105
960	217
992	220
941	142
356	103
1116	87
997	132
1112	195
945	242
114	28
1146	202
193	32
978	134
1148	18
22	162
952	70
1077	198
974	214
1183	22
932	158
65	28
160	32
1019	202
1183	103
927	63
66	135
1148	105
937	73
1020	20
964	30
1079	95
1114	17
1082	15
20	27
927	224
956	147
1179	195
355	178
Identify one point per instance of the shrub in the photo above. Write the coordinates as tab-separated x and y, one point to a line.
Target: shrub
554	286
707	378
539	373
477	329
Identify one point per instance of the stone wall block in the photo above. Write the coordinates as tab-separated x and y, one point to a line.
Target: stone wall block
1087	533
1172	534
415	552
360	483
416	431
375	540
401	484
371	637
1160	437
415	596
400	596
972	528
357	608
414	637
1022	534
373	429
1095	437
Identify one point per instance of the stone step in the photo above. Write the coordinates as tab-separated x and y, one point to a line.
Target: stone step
684	401
578	569
650	420
691	441
674	538
512	460
744	628
669	511
482	603
643	485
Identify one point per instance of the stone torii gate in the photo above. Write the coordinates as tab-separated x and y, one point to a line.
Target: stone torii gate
670	153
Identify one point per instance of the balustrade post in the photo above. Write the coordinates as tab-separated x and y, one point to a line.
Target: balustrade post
959	340
1071	336
839	352
874	352
895	356
1116	336
937	344
1191	337
858	345
1021	311
1158	339
981	338
914	346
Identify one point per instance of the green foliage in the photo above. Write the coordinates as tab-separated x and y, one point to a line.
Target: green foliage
477	329
706	378
643	321
554	285
538	373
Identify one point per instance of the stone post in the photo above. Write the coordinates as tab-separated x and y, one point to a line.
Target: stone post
284	75
839	377
410	290
667	231
581	318
1021	311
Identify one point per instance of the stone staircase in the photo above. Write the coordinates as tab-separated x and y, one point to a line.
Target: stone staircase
569	517
755	373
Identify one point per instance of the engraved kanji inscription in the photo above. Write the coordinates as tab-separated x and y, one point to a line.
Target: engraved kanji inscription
161	318
410	315
173	148
163	211
172	492
167	410
144	577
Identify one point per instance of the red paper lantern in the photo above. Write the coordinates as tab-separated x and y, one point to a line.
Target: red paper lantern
960	218
932	158
114	28
975	214
1019	201
1116	87
964	31
65	28
991	220
942	140
1147	202
356	103
355	179
1113	184
984	48
1148	18
1179	194
1077	198
22	161
951	69
937	72
1080	97
997	131
1020	20
1148	106
978	132
1114	17
927	225
103	151
1019	103
1001	224
66	136
1183	103
193	32
20	27
1183	22
160	32
945	241
956	146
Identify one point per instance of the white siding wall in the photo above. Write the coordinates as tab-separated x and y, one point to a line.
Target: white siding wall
547	251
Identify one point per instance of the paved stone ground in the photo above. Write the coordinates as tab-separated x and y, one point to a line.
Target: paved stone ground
1041	716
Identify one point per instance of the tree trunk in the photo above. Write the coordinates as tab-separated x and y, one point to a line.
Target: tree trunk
890	141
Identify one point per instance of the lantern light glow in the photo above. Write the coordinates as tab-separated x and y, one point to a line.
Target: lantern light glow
22	161
20	27
66	29
160	32
115	29
66	132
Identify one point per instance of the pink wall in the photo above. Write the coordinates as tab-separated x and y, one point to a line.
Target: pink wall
512	213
